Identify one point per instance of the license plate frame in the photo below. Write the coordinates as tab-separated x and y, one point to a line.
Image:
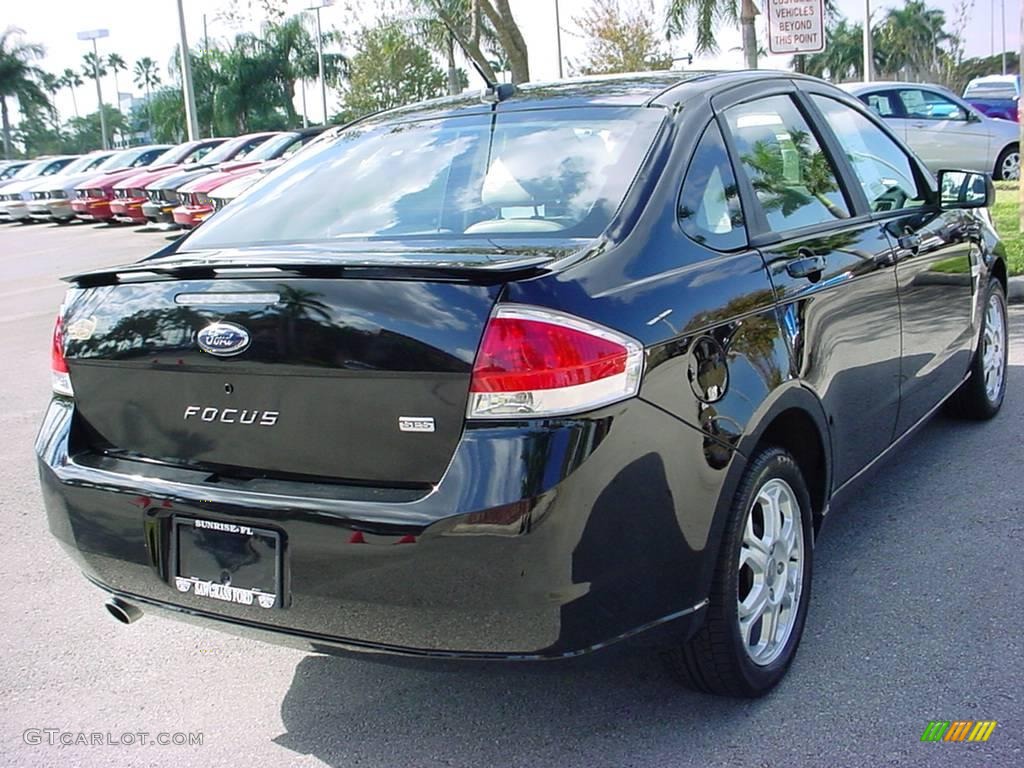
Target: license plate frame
204	552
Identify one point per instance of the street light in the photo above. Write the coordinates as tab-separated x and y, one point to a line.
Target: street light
316	6
186	79
868	53
558	38
94	35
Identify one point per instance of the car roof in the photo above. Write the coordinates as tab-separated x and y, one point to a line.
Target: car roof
874	84
995	79
633	89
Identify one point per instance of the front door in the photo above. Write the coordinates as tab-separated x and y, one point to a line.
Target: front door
933	254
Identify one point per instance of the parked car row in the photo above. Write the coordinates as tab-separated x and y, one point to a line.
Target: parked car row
942	128
161	184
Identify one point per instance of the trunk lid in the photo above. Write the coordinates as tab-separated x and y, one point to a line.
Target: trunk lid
339	353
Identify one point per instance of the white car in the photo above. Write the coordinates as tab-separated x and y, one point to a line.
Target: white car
14	195
51	194
943	129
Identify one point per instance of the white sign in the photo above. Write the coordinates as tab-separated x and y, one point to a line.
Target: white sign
796	26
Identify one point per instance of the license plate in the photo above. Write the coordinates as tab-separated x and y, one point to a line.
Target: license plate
223	561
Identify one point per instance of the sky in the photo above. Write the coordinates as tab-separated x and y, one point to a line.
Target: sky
150	28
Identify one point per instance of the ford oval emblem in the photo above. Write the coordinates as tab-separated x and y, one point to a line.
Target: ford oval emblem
223	339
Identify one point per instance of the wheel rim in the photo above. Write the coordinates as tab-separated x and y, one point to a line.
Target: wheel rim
993	351
771	568
1010	169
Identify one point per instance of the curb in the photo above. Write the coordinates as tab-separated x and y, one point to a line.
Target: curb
1015	289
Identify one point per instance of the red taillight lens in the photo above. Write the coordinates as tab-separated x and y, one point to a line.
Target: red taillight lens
59	375
538	362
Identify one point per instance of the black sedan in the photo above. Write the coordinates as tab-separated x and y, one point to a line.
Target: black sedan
527	375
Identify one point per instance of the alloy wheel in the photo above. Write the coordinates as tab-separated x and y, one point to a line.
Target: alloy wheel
993	353
771	565
1010	168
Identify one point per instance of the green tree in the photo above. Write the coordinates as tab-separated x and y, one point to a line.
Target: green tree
116	64
473	22
705	15
620	41
436	35
166	111
389	69
146	75
912	39
19	79
84	134
71	80
843	57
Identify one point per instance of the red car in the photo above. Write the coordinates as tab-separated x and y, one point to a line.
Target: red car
130	193
92	197
196	204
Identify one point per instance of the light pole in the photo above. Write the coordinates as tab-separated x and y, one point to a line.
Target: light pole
558	38
1002	24
316	6
94	35
868	52
186	79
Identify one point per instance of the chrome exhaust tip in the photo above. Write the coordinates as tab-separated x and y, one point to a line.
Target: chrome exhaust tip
126	613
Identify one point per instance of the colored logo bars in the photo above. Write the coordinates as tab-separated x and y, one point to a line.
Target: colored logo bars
958	730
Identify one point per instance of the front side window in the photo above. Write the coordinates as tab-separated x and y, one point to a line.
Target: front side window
884	170
556	173
922	104
793	179
709	204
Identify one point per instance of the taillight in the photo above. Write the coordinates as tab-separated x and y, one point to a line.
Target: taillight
536	362
59	376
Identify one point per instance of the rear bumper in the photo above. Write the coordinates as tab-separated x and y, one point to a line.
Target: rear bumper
541	541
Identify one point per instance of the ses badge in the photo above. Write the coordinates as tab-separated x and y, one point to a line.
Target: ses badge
223	339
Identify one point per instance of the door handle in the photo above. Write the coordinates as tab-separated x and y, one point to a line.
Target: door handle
807	264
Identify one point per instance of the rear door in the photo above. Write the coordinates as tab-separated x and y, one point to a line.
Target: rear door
887	105
830	264
934	258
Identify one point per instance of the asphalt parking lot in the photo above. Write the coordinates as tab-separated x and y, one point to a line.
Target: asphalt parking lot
915	617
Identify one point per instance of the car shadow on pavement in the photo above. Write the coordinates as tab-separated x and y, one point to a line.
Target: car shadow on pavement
869	654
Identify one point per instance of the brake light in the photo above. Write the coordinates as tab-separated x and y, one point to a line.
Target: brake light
59	376
536	362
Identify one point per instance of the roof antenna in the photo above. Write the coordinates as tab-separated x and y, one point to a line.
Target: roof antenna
494	92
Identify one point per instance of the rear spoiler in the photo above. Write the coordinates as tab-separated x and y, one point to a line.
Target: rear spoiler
383	267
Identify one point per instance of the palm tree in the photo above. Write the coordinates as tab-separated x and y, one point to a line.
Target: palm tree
51	84
19	78
843	57
912	38
116	64
70	79
438	36
93	67
147	76
706	15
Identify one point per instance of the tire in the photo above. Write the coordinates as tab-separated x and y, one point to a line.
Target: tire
1008	165
719	659
981	397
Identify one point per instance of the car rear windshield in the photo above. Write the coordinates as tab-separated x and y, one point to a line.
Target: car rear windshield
991	91
542	173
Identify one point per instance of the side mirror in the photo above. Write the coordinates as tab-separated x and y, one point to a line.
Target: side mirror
962	190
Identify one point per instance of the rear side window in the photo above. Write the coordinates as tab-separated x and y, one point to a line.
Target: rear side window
793	180
883	103
885	172
709	204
